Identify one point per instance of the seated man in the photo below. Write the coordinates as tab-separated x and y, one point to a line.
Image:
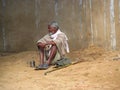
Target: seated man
52	46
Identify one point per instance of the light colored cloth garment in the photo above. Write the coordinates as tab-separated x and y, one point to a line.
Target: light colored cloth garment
60	39
56	36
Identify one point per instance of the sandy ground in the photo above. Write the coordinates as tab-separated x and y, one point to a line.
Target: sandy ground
99	70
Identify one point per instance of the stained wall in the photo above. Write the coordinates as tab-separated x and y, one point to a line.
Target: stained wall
85	22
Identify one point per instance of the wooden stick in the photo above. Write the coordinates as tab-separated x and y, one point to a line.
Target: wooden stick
61	67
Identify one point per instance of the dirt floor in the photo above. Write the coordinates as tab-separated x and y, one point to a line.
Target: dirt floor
98	70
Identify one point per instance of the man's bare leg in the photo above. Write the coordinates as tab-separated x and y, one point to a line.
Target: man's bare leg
45	65
52	54
41	53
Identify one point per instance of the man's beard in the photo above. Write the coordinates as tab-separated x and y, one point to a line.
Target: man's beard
50	33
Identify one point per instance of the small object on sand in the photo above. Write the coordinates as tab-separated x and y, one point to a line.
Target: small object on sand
116	58
32	63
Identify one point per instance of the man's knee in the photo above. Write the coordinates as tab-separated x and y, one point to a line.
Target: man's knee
40	48
54	47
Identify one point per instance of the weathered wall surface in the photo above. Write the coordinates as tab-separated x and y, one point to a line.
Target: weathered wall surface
23	22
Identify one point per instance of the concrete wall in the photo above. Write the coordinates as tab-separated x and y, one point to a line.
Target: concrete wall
85	22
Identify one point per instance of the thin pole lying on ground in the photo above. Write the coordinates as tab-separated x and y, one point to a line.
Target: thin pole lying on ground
61	67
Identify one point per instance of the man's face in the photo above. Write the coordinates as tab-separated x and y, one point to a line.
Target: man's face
51	30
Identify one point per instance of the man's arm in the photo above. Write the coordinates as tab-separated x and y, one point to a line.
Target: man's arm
51	43
42	45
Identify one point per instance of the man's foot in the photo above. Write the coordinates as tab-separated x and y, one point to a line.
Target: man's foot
39	67
42	67
45	66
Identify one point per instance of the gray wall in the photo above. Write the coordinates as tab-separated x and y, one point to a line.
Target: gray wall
85	22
